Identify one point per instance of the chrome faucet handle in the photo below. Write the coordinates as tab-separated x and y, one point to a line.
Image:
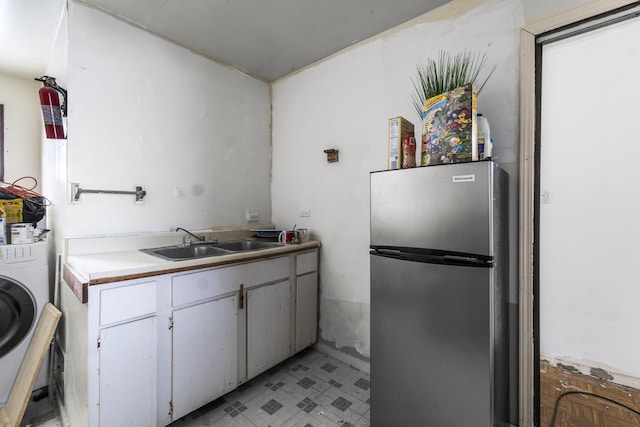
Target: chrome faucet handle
186	240
200	238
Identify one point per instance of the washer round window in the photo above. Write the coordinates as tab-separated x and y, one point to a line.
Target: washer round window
17	314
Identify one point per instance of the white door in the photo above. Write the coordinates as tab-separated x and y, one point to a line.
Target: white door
205	347
268	323
306	310
589	205
128	374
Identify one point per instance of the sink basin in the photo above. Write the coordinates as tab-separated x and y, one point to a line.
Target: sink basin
179	253
201	250
247	245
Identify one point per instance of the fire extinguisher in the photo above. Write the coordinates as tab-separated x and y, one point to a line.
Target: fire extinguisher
52	110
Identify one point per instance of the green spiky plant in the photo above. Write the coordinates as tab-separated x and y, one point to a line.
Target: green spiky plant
445	73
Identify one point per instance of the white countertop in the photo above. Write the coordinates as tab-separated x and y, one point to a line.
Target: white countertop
103	266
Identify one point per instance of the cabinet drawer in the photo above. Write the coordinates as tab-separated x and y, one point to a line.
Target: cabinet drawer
127	302
200	285
306	263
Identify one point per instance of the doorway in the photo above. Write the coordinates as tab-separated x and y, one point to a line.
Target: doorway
572	205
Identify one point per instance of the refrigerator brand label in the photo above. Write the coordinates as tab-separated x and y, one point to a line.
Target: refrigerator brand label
464	178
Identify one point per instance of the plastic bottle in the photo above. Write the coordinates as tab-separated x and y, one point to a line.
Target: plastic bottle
484	138
488	149
3	230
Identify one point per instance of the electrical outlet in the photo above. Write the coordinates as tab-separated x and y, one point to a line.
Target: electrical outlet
304	212
253	216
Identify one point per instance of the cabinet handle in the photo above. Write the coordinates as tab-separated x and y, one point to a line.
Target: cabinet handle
241	297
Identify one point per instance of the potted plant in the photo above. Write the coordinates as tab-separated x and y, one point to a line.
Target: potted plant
446	73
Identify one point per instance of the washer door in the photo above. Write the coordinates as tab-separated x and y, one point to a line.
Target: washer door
17	314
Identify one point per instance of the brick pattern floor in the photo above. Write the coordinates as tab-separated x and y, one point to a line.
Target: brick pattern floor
577	410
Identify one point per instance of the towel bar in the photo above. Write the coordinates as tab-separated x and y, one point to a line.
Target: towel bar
76	192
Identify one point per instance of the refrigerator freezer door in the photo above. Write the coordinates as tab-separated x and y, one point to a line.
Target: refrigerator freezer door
446	207
432	341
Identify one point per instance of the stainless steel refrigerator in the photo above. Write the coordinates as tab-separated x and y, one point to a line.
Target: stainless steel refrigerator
439	277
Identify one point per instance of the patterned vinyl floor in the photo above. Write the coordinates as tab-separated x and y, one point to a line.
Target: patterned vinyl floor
308	390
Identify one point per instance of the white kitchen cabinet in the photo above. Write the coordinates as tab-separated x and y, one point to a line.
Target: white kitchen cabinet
123	369
205	344
158	348
306	320
204	330
128	373
306	310
268	326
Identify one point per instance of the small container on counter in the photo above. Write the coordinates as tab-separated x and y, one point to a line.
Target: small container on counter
21	233
409	151
3	231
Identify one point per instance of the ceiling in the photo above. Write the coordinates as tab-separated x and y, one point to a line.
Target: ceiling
27	33
268	39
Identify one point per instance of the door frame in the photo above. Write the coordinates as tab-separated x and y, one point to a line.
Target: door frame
529	104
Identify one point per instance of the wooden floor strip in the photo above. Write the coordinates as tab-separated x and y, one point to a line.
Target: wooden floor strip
578	410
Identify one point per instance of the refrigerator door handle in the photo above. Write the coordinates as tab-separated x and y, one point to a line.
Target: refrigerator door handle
461	260
433	256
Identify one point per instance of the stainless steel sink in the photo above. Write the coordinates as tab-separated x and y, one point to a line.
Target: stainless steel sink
247	245
180	253
201	250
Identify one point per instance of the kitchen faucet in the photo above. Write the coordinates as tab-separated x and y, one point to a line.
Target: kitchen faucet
186	239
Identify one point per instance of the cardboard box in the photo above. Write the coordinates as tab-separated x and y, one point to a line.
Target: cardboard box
449	129
399	127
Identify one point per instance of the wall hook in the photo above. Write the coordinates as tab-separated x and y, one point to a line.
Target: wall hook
332	155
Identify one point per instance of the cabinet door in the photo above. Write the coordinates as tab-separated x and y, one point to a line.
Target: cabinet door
268	323
306	310
205	347
128	374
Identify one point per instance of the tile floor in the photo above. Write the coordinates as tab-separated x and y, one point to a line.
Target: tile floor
308	390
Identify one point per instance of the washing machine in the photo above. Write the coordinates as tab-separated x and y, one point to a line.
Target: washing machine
24	290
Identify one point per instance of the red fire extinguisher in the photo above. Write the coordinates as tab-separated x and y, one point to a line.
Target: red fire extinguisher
52	110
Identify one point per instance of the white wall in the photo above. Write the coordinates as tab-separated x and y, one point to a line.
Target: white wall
54	151
589	289
22	129
143	111
344	102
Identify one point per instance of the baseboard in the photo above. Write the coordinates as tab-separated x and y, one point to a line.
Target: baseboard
354	362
